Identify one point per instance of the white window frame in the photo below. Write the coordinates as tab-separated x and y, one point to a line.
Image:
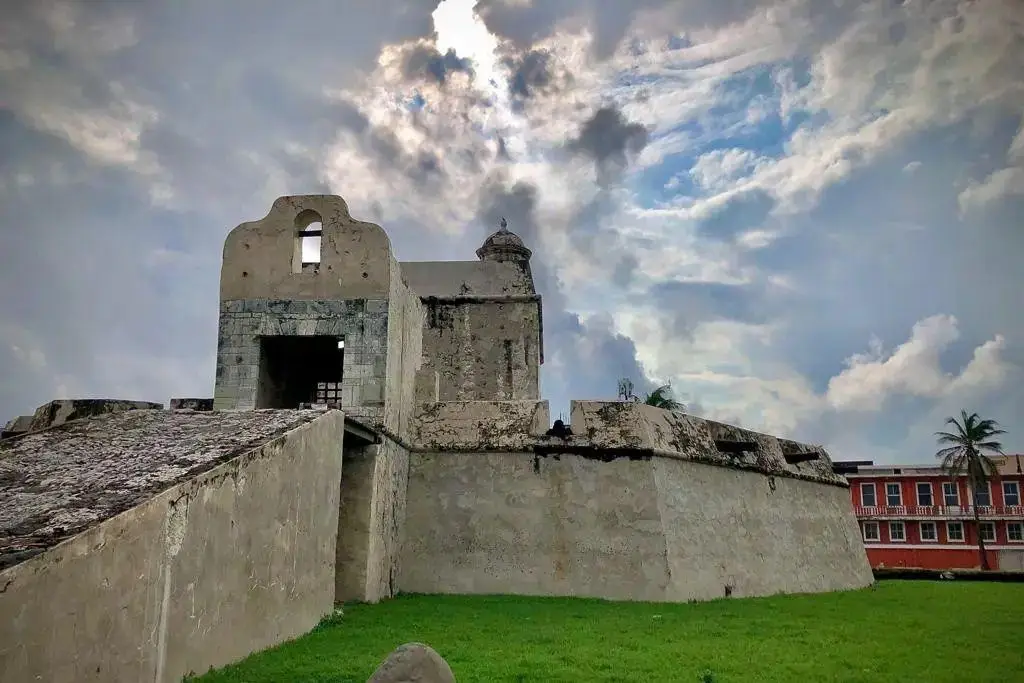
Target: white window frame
874	493
935	530
1009	538
988	525
899	487
963	532
898	524
1016	486
878	532
931	493
974	494
956	492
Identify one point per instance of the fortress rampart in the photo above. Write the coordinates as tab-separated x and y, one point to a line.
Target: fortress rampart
376	427
638	504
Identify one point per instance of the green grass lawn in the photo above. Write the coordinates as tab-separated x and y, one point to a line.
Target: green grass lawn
901	631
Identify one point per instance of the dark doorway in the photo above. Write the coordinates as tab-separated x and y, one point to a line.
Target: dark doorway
296	370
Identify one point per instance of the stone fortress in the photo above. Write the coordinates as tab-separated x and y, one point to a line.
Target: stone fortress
376	427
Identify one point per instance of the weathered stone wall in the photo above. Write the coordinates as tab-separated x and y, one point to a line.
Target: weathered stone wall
447	279
371	523
643	529
259	256
480	349
384	473
363	324
404	353
15	426
67	409
638	504
191	404
617	425
480	425
224	562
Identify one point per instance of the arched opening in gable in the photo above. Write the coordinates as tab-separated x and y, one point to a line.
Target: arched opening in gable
308	242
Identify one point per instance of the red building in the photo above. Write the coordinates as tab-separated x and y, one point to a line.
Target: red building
918	516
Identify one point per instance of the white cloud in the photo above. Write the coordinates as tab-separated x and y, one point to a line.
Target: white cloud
874	94
110	136
718	170
458	27
914	368
998	185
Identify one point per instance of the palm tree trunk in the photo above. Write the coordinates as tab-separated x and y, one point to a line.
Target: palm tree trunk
982	555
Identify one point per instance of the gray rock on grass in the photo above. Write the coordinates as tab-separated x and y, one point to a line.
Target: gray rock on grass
413	663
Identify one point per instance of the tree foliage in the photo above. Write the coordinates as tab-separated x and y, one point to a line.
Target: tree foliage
659	398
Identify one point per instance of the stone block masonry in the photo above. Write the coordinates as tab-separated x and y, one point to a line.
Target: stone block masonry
362	323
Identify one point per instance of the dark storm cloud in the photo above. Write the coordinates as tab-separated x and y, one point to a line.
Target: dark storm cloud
530	72
424	61
587	228
535	71
502	153
516	204
610	140
688	304
625	270
608	136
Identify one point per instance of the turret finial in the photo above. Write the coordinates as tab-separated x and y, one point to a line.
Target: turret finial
503	224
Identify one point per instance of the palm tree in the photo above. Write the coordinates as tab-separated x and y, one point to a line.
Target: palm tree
659	398
964	452
662	398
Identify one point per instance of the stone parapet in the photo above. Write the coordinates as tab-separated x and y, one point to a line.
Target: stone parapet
202	404
622	426
480	425
68	409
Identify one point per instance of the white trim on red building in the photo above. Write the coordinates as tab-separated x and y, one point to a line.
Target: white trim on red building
903	510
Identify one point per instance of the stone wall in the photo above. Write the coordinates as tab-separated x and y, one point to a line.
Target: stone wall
480	425
67	409
615	425
630	529
404	353
371	523
191	404
480	349
363	323
377	493
260	256
638	504
190	562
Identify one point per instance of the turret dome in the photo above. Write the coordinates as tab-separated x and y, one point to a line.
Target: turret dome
503	245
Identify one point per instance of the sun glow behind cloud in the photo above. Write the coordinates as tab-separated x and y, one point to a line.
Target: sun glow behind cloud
458	27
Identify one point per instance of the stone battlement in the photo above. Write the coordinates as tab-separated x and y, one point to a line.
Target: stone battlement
608	429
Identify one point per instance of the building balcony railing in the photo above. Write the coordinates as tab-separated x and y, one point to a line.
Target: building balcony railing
940	511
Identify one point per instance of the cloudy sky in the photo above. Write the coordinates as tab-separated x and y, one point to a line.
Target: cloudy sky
805	215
